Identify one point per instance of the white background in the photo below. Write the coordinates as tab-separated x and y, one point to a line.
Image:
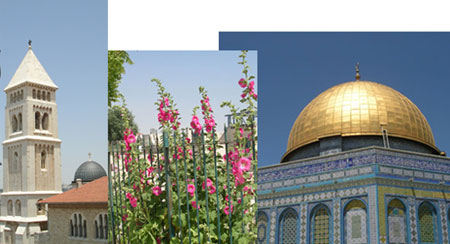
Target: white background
194	25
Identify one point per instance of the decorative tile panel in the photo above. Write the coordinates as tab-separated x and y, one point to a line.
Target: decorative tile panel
303	223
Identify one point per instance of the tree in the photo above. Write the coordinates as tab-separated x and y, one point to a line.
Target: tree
116	60
116	125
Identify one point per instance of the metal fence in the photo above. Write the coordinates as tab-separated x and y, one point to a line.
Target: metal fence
157	146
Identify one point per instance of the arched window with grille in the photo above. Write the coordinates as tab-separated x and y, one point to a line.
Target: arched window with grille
261	223
43	159
427	223
288	227
355	222
101	229
37	121
20	121
397	224
18	208
14	124
320	225
45	121
10	208
78	226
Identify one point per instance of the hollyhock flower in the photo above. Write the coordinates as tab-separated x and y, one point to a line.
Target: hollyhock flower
212	189
228	210
131	139
157	190
239	201
241	131
244	164
246	188
245	211
133	202
194	204
243	95
149	171
158	240
242	83
124	217
188	140
191	189
128	195
150	158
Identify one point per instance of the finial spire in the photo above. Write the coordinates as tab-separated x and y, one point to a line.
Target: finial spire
357	71
90	156
29	44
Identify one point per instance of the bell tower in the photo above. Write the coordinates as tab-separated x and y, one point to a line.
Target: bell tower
31	151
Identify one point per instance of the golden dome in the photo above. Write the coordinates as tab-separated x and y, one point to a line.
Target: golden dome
359	108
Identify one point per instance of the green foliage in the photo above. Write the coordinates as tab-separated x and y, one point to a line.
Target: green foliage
116	125
116	60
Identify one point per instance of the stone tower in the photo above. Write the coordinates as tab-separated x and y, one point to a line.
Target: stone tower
31	152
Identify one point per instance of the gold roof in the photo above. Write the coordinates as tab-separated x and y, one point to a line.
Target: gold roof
359	108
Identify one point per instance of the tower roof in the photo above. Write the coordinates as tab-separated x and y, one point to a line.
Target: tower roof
30	70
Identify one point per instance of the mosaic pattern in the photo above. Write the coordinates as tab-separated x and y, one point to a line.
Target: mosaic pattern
273	217
444	224
355	222
413	222
427	224
289	227
262	228
337	220
303	224
397	222
321	226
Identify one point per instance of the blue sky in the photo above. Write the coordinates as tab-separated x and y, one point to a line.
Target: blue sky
293	68
182	72
70	40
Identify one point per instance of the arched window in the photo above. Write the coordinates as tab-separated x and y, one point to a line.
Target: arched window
43	159
320	224
48	96
11	98
288	233
15	166
20	121
14	97
10	208
427	223
45	121
14	123
78	226
34	94
101	228
37	121
40	208
261	223
397	222
39	95
43	96
355	222
18	208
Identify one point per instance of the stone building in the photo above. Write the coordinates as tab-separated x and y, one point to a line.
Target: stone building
31	152
361	166
80	214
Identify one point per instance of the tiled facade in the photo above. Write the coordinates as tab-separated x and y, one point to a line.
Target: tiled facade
371	195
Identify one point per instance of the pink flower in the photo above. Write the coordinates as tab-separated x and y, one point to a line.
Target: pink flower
246	188
195	124
194	204
188	140
124	217
228	210
209	183
243	95
149	171
191	189
157	190
241	131
212	189
244	164
133	202
131	139
128	195
242	83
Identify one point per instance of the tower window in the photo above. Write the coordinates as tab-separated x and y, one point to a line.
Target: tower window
37	121
39	95
48	96
10	207
15	166
34	94
43	159
14	123
43	96
18	208
20	121
45	121
101	228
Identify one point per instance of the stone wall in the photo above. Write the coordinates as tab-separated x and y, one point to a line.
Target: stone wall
59	222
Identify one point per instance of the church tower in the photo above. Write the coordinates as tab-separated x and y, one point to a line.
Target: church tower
31	151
